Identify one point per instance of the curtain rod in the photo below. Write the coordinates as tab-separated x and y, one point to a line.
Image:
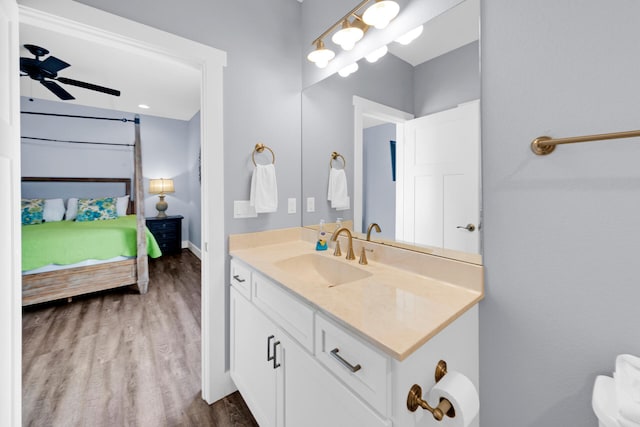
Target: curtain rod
124	119
77	142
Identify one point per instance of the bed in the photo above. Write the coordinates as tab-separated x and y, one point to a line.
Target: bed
63	259
76	279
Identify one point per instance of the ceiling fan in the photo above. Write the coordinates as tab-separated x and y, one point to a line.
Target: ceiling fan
47	70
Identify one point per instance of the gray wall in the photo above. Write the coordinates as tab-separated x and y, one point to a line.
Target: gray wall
379	192
562	287
261	86
448	80
163	150
327	124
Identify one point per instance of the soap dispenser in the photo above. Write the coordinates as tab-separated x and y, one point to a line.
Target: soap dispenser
321	242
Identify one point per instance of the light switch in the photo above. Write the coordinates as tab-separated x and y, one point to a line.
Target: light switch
311	204
242	209
291	205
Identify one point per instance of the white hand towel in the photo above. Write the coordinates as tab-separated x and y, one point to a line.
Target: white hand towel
264	189
627	377
337	193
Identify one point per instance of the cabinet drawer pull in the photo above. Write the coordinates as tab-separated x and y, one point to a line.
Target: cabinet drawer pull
276	365
346	364
237	277
269	356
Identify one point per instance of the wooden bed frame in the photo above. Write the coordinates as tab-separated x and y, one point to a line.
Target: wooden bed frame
67	283
53	285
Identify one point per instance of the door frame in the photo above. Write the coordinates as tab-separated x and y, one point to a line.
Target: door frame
362	108
78	20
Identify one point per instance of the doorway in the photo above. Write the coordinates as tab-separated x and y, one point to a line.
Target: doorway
80	21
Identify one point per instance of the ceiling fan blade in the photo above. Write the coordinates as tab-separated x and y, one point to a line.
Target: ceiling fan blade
88	86
57	90
53	64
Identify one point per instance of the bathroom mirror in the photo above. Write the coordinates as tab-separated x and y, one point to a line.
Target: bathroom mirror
360	115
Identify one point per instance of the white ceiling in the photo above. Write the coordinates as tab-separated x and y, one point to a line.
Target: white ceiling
170	88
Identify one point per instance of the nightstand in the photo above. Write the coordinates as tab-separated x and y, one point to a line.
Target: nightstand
168	232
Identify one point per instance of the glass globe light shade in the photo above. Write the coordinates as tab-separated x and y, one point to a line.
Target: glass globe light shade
377	54
349	69
381	13
410	36
348	36
321	56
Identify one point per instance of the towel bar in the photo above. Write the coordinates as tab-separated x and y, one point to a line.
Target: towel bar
334	156
260	147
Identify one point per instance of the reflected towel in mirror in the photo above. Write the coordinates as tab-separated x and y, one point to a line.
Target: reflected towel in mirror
338	194
264	189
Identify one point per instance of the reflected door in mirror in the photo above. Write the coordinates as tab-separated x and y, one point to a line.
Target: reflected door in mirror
439	176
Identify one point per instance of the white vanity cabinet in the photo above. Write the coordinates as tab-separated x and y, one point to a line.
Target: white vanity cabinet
296	366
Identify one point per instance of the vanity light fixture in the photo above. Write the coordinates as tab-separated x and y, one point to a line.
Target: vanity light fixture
353	28
321	56
377	54
348	70
410	36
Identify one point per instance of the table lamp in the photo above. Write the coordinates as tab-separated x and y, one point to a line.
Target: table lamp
161	187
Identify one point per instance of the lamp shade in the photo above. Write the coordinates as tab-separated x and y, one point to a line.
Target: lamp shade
161	186
348	36
381	13
321	55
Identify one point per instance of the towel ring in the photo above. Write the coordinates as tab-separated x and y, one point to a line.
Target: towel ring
260	148
334	156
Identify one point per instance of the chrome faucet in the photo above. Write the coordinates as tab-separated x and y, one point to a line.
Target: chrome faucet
337	251
363	251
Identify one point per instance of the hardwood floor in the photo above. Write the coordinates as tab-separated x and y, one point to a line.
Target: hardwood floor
118	358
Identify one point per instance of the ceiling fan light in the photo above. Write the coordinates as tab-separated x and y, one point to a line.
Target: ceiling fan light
377	54
349	69
348	36
407	38
321	55
381	13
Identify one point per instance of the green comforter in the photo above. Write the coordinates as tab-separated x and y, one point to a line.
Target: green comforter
68	242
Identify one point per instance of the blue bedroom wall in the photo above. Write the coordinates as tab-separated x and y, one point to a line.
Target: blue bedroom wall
164	150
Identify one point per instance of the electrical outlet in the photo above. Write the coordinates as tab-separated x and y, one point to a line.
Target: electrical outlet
291	205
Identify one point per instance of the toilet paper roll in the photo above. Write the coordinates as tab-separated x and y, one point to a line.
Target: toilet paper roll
462	394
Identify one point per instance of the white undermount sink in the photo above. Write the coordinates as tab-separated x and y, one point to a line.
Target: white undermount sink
331	271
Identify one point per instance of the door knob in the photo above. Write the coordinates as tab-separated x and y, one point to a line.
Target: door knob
468	227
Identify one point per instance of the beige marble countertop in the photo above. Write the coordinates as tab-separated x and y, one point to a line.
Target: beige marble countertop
394	309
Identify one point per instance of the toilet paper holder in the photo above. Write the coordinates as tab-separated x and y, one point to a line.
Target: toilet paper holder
415	400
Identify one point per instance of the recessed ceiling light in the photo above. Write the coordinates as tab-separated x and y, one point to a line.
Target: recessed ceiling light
144	106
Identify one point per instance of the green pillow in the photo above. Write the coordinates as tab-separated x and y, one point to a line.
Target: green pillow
32	210
96	209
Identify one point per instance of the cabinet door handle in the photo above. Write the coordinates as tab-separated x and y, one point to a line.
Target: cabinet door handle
237	277
276	365
269	356
346	364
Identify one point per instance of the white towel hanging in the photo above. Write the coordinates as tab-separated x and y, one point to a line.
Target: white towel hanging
264	189
337	192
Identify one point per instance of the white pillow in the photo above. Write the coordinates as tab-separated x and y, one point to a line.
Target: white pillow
72	209
53	210
121	205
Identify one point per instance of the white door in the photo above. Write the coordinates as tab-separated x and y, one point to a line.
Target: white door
440	179
10	281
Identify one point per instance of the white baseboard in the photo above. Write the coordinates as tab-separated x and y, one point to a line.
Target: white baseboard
193	248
